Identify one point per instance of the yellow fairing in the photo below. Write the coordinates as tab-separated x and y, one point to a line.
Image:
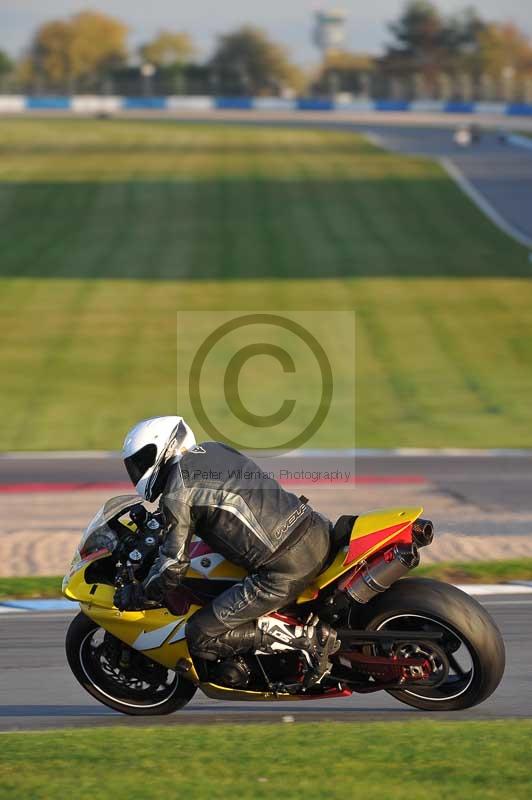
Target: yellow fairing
158	633
372	522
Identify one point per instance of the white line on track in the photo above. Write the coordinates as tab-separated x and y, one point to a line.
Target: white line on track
506	602
487	589
26	615
520	141
46	455
480	201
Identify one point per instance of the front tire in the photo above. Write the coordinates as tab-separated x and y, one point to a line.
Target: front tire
421	604
131	684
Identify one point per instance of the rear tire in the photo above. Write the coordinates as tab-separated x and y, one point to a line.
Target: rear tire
86	663
433	605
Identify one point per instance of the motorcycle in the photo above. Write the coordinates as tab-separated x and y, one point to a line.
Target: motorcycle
426	643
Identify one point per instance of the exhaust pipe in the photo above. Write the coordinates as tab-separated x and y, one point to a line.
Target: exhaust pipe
422	532
379	574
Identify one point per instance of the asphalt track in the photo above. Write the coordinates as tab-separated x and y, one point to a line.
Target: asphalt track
38	691
491	482
501	173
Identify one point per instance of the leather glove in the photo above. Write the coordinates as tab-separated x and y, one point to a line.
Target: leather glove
131	598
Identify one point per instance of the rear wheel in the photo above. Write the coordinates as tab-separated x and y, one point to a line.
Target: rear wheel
471	642
120	677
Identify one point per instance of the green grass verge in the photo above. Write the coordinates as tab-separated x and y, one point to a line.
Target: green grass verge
450	571
516	569
107	228
39	586
405	761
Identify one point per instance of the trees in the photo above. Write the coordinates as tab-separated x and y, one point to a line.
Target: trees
6	65
417	47
169	52
6	70
419	32
167	49
474	56
504	47
247	62
428	47
343	71
76	52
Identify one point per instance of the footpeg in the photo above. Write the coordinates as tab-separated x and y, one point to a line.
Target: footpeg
316	641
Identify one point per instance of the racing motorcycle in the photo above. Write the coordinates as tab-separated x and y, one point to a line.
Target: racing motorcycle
427	643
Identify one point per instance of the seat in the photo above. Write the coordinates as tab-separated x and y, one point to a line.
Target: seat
340	536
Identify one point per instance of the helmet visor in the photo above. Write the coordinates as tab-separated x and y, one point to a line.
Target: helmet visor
140	462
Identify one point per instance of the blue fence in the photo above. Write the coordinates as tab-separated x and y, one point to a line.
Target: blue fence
391	105
459	108
153	103
110	104
243	103
314	104
519	109
43	103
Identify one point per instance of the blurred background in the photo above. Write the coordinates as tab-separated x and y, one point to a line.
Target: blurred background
417	50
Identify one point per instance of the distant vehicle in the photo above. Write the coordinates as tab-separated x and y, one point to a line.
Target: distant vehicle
467	135
462	137
427	643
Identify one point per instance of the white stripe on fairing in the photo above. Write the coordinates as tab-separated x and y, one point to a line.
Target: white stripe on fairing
181	633
147	640
480	201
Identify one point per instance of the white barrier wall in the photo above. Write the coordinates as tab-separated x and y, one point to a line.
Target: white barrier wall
13	102
94	104
196	103
273	104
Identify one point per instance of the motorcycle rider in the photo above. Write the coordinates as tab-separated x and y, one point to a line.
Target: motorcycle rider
215	492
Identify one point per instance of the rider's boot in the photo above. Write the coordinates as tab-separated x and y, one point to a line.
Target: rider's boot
316	640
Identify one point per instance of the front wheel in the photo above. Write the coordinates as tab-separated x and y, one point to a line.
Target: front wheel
471	642
120	677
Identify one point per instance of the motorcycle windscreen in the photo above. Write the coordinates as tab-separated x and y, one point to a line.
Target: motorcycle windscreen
100	534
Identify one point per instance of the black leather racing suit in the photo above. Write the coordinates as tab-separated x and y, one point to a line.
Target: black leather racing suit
223	497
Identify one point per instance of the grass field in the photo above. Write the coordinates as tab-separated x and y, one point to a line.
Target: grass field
399	761
107	228
450	571
39	586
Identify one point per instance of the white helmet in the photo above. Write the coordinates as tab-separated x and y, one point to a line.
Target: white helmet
149	445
